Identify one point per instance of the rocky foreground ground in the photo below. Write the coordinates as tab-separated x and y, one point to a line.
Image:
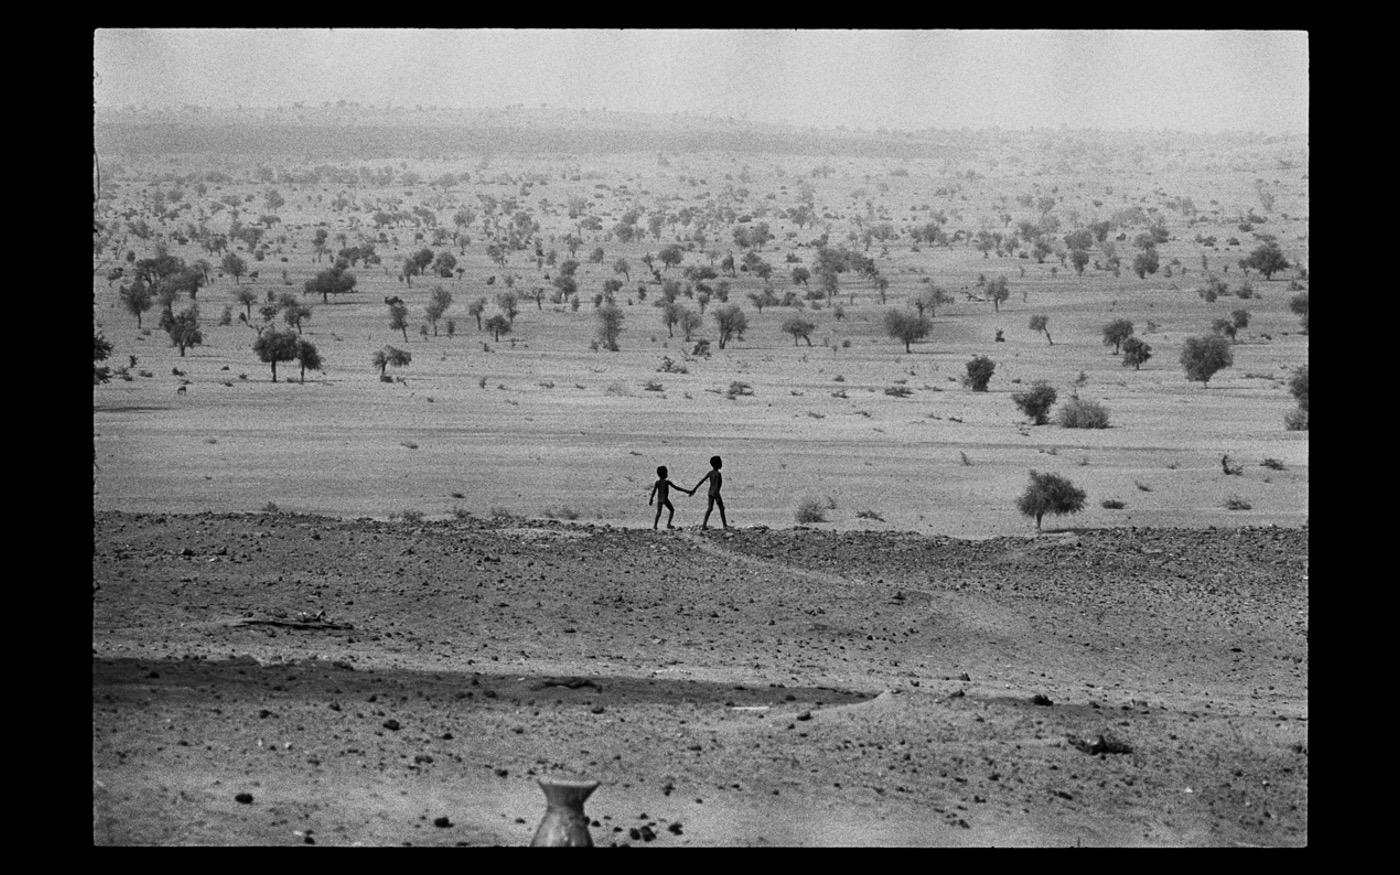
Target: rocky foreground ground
279	679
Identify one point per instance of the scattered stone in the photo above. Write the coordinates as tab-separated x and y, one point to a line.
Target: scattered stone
503	773
805	715
244	798
1041	699
391	724
442	822
675	828
964	677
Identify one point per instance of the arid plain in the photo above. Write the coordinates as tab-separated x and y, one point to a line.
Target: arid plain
478	537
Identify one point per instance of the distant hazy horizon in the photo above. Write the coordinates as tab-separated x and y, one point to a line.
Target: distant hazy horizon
1194	81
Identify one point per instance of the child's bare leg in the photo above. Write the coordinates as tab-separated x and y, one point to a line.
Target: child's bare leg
658	515
719	501
669	516
708	509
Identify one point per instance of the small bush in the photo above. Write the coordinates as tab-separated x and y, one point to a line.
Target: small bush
1112	504
737	388
271	508
1272	464
979	373
869	515
1234	502
899	391
1296	419
500	511
461	513
562	512
652	386
1078	413
411	517
1036	401
810	510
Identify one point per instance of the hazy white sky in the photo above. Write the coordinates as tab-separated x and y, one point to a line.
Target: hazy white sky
1185	80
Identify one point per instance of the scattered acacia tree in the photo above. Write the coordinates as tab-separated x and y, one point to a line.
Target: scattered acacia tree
1036	401
307	357
136	298
610	325
294	312
690	322
1145	262
183	328
1267	259
273	346
979	373
1203	356
1298	304
101	349
437	305
799	328
390	355
670	315
234	266
623	267
671	255
445	264
997	290
498	325
1136	351
1239	318
1050	493
1039	323
929	299
1224	328
800	275
476	308
332	281
1115	332
246	297
510	305
1079	258
906	327
398	317
731	322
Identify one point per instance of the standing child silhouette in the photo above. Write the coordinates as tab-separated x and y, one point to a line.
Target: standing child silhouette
716	480
662	487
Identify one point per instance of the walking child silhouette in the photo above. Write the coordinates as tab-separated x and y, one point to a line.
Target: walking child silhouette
716	480
662	487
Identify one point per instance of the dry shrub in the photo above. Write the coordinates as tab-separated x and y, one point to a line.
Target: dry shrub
811	510
1078	413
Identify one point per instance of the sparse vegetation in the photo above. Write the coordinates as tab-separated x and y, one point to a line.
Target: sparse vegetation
1050	493
1036	401
979	373
810	510
1202	357
1080	413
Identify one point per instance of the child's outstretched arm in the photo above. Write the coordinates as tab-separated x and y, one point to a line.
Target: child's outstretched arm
701	483
651	497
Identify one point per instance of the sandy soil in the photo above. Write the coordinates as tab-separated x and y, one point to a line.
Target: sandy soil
750	687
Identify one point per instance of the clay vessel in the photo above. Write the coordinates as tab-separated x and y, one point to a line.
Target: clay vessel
564	825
